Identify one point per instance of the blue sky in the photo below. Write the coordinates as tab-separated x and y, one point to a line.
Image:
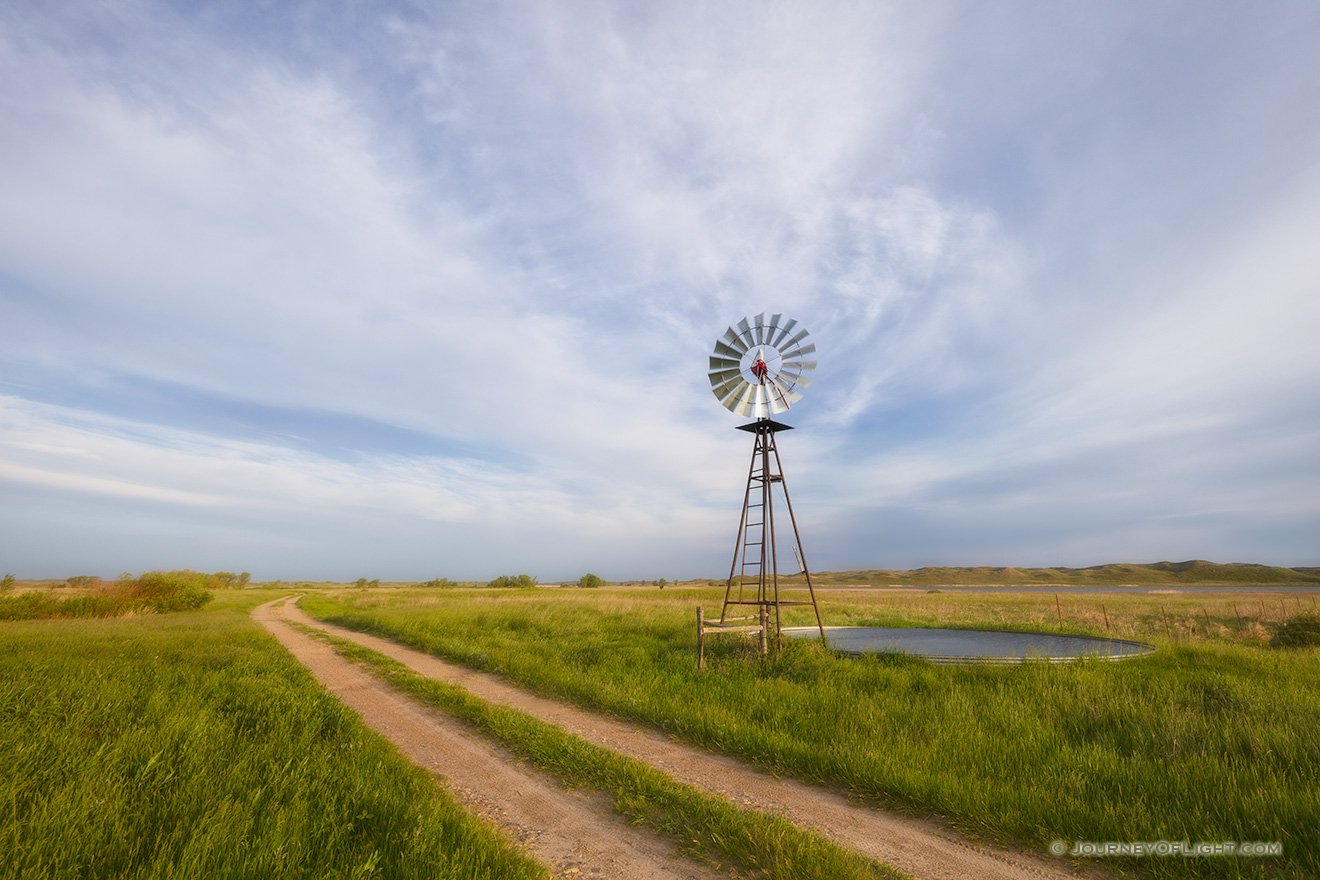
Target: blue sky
418	290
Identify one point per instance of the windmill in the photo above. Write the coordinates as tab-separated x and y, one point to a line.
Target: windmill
756	370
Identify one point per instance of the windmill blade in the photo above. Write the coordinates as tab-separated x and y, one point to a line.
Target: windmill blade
723	363
746	399
727	387
793	354
796	338
754	403
733	397
729	351
800	366
718	378
779	397
789	393
783	332
758	328
793	376
734	342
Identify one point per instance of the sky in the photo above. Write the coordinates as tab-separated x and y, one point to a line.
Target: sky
415	290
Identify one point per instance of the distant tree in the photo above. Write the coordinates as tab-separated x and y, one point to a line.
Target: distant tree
83	580
589	581
659	583
8	582
363	583
244	578
438	583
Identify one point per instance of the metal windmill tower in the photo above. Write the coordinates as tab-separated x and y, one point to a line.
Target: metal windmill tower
756	370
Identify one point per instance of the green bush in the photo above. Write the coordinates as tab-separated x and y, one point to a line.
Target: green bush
514	582
1298	631
8	582
589	581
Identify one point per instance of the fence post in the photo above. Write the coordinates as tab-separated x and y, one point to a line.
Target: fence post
701	641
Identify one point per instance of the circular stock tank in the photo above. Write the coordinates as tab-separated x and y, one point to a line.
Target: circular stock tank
971	645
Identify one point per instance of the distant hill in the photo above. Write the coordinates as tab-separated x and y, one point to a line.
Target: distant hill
1195	571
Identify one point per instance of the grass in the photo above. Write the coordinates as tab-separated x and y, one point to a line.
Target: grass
193	745
1212	738
705	828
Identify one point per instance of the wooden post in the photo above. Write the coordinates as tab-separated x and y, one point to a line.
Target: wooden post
765	624
701	641
1236	613
1206	614
1058	608
1284	609
1106	614
1165	615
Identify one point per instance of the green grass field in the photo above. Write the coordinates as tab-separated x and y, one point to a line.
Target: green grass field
1210	739
193	745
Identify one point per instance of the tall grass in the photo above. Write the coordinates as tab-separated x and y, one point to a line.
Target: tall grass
155	592
193	745
1212	738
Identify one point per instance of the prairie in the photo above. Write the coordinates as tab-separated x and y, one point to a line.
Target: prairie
1210	739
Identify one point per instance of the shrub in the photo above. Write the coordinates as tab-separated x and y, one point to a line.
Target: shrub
1298	631
509	581
164	591
8	582
438	583
589	581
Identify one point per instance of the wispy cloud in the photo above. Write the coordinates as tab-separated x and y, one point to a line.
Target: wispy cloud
444	280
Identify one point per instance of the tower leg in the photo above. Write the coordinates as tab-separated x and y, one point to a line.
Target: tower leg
755	557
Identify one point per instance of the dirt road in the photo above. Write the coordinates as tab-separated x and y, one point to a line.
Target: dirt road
483	778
